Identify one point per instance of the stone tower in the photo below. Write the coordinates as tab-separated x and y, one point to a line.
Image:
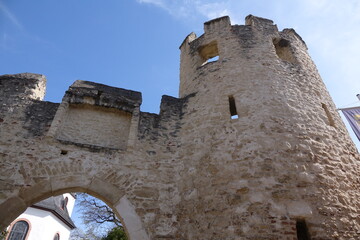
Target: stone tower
270	153
252	149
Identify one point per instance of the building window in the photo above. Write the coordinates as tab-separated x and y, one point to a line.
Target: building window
64	203
19	231
57	237
209	53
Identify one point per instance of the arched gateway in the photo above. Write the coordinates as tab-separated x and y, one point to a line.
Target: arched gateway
252	149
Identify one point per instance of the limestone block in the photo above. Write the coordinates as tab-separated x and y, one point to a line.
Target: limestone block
132	222
91	125
299	209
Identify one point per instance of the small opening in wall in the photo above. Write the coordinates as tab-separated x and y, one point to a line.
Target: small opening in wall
328	114
232	105
213	59
28	224
283	50
302	230
209	53
63	152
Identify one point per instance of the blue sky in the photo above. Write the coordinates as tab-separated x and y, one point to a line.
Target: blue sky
134	44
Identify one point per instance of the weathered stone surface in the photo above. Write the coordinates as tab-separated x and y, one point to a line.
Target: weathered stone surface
101	95
252	146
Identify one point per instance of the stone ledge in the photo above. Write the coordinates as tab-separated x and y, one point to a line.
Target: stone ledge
84	92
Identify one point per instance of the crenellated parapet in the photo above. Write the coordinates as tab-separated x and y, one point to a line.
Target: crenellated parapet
91	115
22	86
84	92
21	105
212	49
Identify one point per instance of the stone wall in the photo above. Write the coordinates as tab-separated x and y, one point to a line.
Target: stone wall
252	149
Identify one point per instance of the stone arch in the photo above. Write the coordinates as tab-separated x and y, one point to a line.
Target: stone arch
117	200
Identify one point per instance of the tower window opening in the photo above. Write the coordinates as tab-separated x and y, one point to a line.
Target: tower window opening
283	50
328	115
302	230
232	105
209	53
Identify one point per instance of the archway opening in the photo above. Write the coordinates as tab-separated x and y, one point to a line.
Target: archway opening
67	216
95	220
114	197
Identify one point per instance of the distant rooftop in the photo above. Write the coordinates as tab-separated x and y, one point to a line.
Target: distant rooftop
53	205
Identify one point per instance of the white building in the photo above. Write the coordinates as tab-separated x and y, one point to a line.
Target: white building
45	220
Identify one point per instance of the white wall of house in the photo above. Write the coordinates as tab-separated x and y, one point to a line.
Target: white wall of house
44	224
71	202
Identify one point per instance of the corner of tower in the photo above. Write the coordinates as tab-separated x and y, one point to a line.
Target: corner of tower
189	38
252	20
291	33
199	51
217	24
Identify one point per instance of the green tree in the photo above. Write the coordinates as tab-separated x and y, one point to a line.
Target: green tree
117	233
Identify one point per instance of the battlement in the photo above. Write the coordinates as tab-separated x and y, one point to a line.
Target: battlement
91	115
221	24
23	86
258	21
220	41
217	24
84	92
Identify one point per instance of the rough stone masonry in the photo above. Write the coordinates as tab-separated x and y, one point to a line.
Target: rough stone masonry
252	149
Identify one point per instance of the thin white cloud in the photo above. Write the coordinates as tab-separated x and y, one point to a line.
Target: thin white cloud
10	16
158	3
213	10
9	38
191	8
